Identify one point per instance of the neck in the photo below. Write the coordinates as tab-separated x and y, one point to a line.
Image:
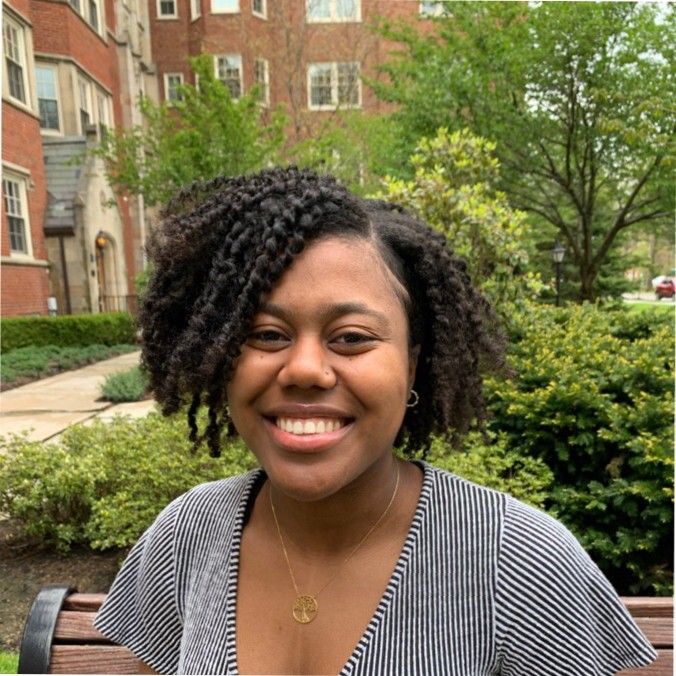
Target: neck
336	523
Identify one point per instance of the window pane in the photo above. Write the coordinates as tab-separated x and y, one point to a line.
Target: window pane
259	6
49	114
320	86
319	9
225	5
167	8
346	9
46	82
348	88
75	4
15	81
93	15
229	73
15	219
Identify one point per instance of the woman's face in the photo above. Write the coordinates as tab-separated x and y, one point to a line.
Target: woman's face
320	388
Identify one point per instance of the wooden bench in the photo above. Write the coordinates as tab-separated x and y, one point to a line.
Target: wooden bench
59	637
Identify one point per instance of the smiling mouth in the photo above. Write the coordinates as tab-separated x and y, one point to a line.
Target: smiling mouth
308	426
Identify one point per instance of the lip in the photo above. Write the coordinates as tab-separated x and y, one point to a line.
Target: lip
306	443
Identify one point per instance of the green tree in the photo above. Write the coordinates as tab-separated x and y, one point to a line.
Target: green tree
578	97
453	189
205	133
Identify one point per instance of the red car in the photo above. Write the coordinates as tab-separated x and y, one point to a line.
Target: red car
665	289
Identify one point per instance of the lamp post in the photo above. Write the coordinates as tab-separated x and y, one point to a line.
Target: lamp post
557	256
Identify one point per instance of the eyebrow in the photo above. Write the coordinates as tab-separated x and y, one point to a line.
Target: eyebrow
330	312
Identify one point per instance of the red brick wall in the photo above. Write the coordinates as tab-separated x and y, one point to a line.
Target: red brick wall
24	290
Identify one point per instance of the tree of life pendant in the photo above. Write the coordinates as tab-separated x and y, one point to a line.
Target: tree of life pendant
305	609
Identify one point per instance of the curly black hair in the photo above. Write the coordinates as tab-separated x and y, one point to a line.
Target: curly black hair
223	244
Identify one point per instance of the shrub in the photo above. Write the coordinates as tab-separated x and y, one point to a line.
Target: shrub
130	385
110	328
491	463
102	485
39	362
592	398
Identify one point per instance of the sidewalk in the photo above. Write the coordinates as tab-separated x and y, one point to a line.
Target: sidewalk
47	407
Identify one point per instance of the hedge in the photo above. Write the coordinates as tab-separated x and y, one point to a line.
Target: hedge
593	399
110	328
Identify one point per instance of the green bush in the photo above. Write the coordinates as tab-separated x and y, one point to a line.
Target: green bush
39	362
491	463
102	485
130	385
110	328
593	399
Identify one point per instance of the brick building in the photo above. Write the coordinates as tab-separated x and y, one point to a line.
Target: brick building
71	70
308	55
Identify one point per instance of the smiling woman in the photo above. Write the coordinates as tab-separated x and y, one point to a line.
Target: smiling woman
325	330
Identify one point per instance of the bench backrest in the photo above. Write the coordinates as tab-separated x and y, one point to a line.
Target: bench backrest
59	637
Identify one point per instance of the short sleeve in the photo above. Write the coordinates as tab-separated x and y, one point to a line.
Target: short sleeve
556	613
141	610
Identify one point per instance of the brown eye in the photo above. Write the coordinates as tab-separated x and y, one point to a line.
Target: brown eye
268	337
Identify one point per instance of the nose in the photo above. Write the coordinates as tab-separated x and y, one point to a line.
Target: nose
307	366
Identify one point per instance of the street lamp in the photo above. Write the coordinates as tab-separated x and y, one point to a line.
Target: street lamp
557	256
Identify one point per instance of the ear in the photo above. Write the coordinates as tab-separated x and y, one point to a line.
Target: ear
413	355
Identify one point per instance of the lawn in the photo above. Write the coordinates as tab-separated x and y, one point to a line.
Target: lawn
8	662
643	306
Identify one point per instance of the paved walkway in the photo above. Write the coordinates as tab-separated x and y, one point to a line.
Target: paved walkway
47	407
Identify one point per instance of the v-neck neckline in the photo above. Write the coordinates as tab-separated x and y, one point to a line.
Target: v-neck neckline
246	504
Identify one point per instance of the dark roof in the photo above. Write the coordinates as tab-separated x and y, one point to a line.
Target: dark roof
63	173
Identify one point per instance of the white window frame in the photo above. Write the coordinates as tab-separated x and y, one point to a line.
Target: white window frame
55	72
167	86
234	57
84	103
99	17
431	8
20	182
333	13
225	11
195	9
20	53
264	13
265	88
161	15
335	103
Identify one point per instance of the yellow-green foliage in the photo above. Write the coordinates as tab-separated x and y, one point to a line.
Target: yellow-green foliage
453	190
593	398
102	485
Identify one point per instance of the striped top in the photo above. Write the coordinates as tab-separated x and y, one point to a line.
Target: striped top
484	584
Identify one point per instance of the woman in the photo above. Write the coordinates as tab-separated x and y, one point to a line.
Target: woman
326	330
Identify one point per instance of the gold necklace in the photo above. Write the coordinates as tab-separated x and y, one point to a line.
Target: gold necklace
305	607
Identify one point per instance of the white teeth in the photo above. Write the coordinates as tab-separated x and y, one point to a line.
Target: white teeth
302	426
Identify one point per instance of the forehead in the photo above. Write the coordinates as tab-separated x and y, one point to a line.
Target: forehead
336	270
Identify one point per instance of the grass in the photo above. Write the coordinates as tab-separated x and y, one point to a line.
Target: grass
130	385
647	306
32	363
9	662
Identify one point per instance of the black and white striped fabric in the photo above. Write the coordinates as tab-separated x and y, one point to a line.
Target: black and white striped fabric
484	585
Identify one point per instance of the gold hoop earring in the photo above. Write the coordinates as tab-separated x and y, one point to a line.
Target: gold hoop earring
416	399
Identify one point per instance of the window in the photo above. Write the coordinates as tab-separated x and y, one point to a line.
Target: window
171	83
14	192
333	85
259	8
333	10
93	15
15	59
166	9
102	111
85	105
195	8
224	6
262	80
75	4
229	72
48	102
431	8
